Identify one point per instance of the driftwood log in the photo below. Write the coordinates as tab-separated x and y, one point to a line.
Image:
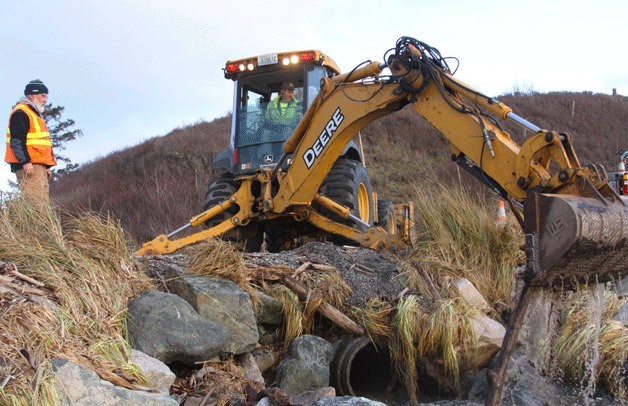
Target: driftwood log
327	310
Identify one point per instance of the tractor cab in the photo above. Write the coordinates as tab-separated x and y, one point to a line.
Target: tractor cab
262	120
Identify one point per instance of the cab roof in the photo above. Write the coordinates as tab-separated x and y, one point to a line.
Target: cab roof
275	61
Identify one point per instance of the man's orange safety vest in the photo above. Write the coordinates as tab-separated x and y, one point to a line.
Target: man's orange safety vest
38	142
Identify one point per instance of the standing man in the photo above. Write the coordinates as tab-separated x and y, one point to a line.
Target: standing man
29	147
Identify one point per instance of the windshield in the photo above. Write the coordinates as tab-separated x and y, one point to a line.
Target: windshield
267	109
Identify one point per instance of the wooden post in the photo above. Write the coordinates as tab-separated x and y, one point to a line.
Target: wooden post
497	374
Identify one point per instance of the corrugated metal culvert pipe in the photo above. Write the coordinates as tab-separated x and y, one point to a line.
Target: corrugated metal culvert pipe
359	368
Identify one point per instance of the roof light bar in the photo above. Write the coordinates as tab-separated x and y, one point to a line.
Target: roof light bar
284	59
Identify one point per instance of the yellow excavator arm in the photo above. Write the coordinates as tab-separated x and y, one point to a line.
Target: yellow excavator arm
573	220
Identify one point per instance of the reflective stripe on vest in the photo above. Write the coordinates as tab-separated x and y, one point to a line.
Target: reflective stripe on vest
282	112
38	142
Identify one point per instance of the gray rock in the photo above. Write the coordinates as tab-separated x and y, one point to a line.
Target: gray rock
526	385
251	370
166	327
264	358
348	401
158	375
311	397
222	302
490	335
540	325
306	366
264	402
269	310
80	386
469	293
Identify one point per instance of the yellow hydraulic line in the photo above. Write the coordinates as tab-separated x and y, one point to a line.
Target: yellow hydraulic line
372	69
339	209
212	212
162	245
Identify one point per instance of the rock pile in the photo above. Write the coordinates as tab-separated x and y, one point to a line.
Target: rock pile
207	331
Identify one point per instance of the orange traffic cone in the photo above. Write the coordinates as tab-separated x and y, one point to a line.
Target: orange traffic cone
501	214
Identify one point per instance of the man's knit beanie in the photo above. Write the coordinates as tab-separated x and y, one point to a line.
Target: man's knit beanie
35	87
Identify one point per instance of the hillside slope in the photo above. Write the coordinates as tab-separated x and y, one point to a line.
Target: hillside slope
159	184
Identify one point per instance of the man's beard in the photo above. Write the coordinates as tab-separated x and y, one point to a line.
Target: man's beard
40	107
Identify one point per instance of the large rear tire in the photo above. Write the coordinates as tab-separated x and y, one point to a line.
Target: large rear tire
348	184
249	238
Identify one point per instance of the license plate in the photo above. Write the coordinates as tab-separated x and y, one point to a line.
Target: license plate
268	59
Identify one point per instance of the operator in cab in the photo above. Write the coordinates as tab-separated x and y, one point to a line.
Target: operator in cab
285	109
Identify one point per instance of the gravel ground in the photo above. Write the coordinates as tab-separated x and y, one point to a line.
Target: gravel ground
369	273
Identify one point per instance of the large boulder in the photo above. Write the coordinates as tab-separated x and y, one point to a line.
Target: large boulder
222	302
469	293
80	386
168	328
527	385
490	335
540	325
306	367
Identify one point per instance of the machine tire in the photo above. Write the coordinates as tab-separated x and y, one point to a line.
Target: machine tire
218	190
274	238
348	184
386	216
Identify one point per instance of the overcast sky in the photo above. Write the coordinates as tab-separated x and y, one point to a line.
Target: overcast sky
127	71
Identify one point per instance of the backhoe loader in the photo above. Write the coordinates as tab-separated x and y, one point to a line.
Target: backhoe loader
307	180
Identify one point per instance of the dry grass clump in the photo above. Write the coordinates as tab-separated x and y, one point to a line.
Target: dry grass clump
221	259
79	314
415	327
404	353
458	237
449	334
326	285
375	317
294	317
591	348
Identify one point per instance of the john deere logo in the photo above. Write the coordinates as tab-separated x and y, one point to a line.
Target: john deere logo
268	159
330	128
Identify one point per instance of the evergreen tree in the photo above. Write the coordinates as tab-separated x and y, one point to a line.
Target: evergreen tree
61	131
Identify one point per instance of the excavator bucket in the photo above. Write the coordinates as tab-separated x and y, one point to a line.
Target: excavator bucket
576	238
